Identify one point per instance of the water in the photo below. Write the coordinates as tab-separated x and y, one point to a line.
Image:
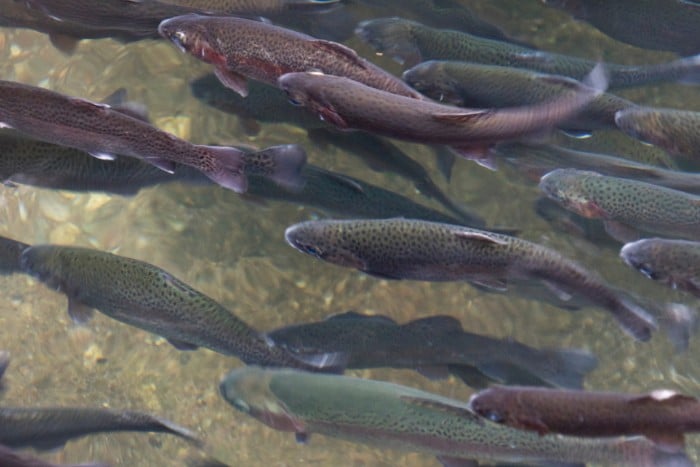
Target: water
234	251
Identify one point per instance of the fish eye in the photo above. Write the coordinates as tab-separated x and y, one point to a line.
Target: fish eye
295	102
494	416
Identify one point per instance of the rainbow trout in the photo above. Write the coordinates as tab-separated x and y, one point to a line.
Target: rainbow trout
675	263
672	25
625	206
348	104
410	43
435	346
676	131
393	416
241	48
149	298
344	196
51	427
105	132
429	251
662	416
488	86
536	160
38	163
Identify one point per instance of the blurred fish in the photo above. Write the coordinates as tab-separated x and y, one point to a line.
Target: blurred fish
345	196
410	43
448	14
52	427
10	458
429	251
383	156
264	103
434	346
563	220
31	162
250	7
147	297
536	160
672	25
10	251
388	415
663	416
348	104
676	131
240	48
105	132
626	206
4	363
675	263
486	86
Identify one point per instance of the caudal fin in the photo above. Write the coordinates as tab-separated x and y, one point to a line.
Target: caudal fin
282	164
691	73
228	169
571	367
634	319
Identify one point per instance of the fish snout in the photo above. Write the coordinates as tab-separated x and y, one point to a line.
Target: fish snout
295	235
178	30
634	255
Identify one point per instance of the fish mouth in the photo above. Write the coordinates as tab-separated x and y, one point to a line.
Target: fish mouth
292	236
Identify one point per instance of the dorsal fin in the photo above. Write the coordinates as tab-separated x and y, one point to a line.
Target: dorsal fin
439	323
334	47
460	118
355	316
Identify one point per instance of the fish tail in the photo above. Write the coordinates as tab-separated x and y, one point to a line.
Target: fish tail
177	430
634	319
680	322
572	365
285	163
229	171
392	36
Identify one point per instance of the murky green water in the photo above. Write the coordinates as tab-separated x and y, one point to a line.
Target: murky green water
234	251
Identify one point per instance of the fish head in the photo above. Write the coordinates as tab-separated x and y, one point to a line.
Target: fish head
191	34
642	255
301	89
323	240
248	390
432	79
489	404
567	187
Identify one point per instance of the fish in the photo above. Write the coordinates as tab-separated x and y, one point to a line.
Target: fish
240	48
435	346
142	295
536	160
11	458
676	131
264	103
251	7
341	195
10	251
105	132
348	104
489	86
28	161
674	263
390	415
48	428
410	42
563	220
430	251
4	363
663	416
627	207
383	156
672	25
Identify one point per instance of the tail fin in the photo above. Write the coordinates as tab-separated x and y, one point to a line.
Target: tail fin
391	36
634	319
177	430
283	164
572	365
228	169
691	75
680	322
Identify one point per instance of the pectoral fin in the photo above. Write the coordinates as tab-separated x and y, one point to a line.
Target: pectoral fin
434	372
479	236
621	232
495	283
669	441
460	118
181	345
328	114
561	294
443	407
232	80
448	461
78	311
